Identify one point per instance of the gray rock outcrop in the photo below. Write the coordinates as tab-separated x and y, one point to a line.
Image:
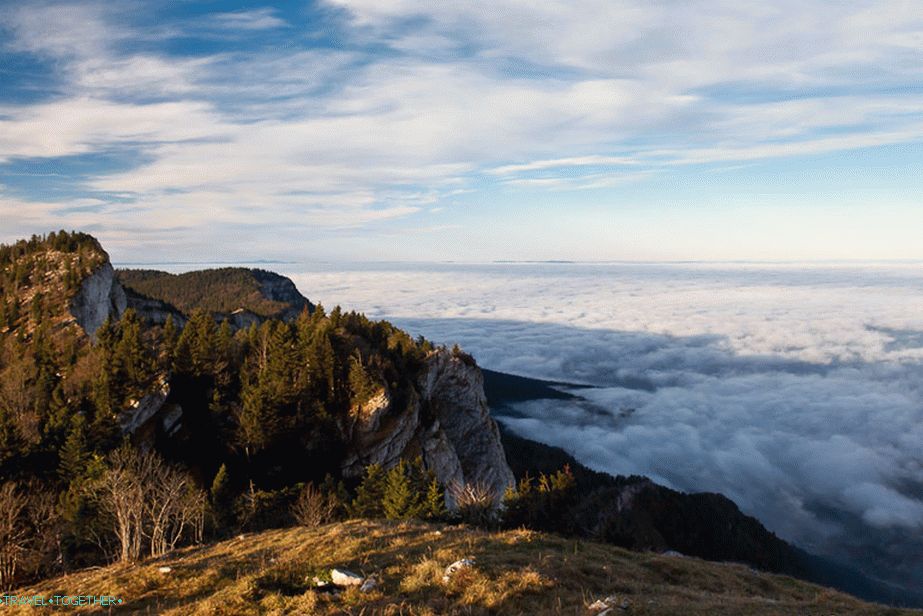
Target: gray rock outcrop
154	311
100	296
445	420
281	289
453	388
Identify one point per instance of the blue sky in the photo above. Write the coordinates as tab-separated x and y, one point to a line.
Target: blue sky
360	129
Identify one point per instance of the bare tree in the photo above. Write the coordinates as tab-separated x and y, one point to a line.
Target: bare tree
16	396
314	507
122	490
13	533
150	502
173	507
45	544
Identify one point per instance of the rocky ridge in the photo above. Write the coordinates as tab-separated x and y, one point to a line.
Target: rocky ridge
99	297
447	422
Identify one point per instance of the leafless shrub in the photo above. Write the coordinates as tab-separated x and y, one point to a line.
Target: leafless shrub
13	533
475	503
314	507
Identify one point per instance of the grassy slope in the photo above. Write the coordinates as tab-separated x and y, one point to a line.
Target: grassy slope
518	572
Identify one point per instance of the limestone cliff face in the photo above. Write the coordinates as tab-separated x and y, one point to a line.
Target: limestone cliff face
453	388
282	289
154	311
445	421
100	296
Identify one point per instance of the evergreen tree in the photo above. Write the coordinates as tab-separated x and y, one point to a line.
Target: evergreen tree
221	498
133	367
434	504
170	335
59	416
369	494
402	499
361	384
398	495
74	455
195	348
257	420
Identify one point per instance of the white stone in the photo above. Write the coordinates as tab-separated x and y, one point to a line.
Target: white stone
345	577
455	567
369	584
164	569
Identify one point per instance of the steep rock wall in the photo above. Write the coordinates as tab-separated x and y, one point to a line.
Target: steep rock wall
446	422
100	296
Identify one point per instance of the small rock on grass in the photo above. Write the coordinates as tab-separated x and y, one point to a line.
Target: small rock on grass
345	577
369	584
455	567
607	606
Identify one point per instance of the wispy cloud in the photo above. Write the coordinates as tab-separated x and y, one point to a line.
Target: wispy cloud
556	163
385	101
254	19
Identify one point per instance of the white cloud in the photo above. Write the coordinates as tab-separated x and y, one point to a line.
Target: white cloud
82	125
528	98
254	19
795	390
555	163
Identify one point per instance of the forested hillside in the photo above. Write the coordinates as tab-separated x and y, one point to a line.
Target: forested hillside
39	275
221	290
260	411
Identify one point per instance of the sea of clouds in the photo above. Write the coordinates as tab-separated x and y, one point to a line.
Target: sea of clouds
796	390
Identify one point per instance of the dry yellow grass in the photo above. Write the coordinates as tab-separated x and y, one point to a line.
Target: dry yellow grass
517	572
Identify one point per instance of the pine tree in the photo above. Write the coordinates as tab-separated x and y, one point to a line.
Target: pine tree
257	420
74	455
133	366
221	498
361	384
434	507
402	498
398	496
369	494
224	342
170	335
195	349
59	416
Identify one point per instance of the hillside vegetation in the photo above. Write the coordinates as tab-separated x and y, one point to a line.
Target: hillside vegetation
40	275
222	290
515	572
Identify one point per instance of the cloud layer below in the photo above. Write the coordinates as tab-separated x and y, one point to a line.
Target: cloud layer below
796	391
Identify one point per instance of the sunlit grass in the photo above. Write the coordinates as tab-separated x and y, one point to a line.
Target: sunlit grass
516	572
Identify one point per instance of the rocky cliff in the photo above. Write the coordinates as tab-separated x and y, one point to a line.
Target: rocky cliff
154	311
99	297
446	421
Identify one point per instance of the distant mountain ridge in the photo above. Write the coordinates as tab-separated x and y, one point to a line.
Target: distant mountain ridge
239	294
